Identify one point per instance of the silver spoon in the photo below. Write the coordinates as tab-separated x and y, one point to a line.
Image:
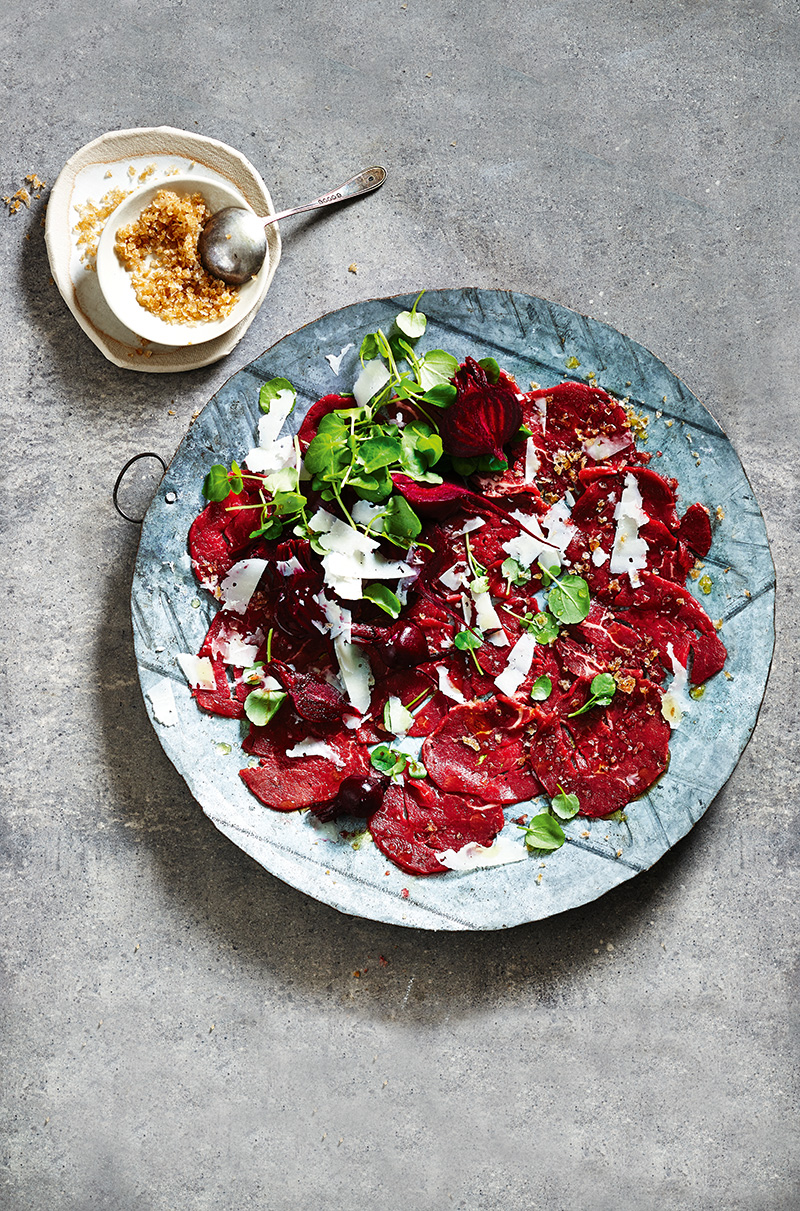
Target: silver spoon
233	243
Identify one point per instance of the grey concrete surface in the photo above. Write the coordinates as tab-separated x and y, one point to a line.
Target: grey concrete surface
183	1031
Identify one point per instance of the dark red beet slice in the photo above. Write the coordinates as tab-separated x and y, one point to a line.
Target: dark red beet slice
483	417
480	749
358	796
208	549
695	530
576	413
415	822
313	698
607	756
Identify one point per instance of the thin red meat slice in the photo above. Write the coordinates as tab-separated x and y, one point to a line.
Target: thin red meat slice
409	685
220	700
607	756
480	749
668	615
287	783
576	414
416	821
695	530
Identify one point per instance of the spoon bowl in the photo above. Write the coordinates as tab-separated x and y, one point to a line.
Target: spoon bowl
115	280
233	243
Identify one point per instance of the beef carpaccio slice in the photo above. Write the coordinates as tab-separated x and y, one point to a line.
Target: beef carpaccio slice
417	821
606	756
286	783
481	749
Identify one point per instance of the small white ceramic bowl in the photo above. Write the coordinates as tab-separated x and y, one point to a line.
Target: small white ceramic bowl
115	280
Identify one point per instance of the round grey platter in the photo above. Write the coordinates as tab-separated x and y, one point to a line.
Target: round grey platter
535	341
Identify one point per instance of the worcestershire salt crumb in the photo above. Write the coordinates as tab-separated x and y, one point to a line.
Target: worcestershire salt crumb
160	252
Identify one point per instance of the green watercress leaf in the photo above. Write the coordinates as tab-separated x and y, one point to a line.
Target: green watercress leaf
602	690
236	481
377	452
262	705
544	627
416	769
565	806
388	760
216	485
437	366
382	596
542	689
412	323
543	832
400	523
441	396
569	599
369	348
491	367
514	573
271	390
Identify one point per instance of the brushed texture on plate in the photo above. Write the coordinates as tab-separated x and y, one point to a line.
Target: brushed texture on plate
533	339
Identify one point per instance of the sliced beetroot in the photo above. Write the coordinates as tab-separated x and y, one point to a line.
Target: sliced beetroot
209	551
313	698
480	749
416	821
483	417
359	796
695	530
608	755
398	647
329	403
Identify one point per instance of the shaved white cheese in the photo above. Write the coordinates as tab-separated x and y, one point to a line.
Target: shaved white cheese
240	584
604	447
316	748
233	648
446	686
264	460
675	701
271	423
363	512
557	524
398	719
599	557
240	652
505	848
351	722
339	620
335	360
369	382
355	672
162	701
629	553
452	578
524	547
520	659
352	556
288	567
474	523
487	619
198	671
531	461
